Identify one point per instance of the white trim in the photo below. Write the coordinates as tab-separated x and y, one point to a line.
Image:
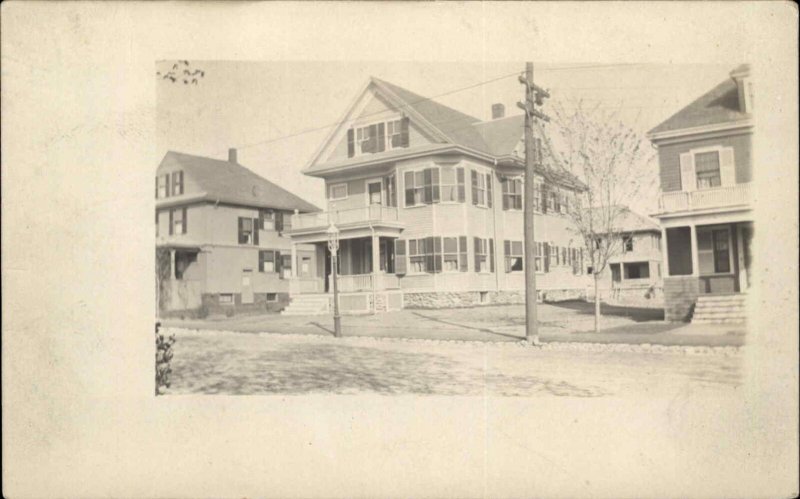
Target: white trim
330	191
716	127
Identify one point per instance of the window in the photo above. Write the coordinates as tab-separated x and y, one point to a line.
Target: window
267	219
269	260
177	183
422	186
706	165
183	259
638	270
305	266
390	186
512	194
481	194
721	251
177	221
377	137
551	201
564	205
627	243
374	193
537	197
713	251
484	255
162	186
421	255
452	183
337	191
226	298
514	256
394	134
539	256
370	139
285	266
272	297
451	255
247	234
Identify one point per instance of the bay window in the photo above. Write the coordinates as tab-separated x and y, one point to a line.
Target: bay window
481	189
434	185
452	184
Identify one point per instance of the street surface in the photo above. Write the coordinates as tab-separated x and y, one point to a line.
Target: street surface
214	362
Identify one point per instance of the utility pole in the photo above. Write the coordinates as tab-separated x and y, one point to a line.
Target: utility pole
534	96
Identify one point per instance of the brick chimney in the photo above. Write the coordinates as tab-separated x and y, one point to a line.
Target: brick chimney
498	111
232	155
744	85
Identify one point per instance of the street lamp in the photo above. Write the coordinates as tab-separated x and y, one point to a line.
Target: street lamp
333	246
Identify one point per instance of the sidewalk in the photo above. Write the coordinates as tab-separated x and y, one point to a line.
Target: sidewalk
557	323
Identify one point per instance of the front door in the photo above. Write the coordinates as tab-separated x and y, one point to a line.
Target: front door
247	286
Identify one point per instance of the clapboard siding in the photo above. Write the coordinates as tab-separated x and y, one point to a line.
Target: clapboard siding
669	158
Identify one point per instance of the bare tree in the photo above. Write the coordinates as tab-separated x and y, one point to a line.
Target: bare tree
613	160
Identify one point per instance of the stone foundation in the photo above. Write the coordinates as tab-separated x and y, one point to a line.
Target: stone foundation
212	306
680	295
461	299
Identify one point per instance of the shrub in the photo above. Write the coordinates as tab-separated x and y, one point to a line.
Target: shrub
163	358
229	312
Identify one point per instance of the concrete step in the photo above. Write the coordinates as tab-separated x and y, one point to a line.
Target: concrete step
722	299
718	321
698	309
719	316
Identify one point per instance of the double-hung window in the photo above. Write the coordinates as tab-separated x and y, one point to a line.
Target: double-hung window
706	165
377	137
162	186
627	243
537	197
539	251
514	256
177	221
484	255
481	189
337	191
452	182
416	256
551	200
248	230
267	219
422	186
370	139
713	251
394	134
268	261
454	251
177	183
512	194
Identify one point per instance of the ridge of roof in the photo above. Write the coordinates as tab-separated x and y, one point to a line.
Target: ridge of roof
234	183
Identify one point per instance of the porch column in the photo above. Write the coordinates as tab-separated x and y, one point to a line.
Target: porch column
664	252
695	258
376	254
294	272
172	265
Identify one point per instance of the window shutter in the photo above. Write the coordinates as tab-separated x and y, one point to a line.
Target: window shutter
688	176
428	187
156	187
435	184
255	231
544	197
351	144
381	145
505	188
461	189
727	167
184	222
491	255
279	221
171	223
437	254
166	180
474	177
489	191
408	185
477	247
278	262
399	257
507	253
404	132
241	228
546	257
261	261
180	174
462	255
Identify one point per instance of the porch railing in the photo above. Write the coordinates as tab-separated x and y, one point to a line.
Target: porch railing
372	213
732	195
363	282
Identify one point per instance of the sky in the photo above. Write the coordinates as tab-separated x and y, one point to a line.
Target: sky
278	113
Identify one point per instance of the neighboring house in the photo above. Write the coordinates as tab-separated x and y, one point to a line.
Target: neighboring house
705	207
633	274
220	236
429	204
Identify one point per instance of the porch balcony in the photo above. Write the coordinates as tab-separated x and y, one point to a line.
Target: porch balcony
351	218
720	197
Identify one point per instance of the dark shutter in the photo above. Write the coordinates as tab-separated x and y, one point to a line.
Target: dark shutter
381	145
399	257
408	185
477	254
462	255
435	184
474	178
461	189
489	187
544	197
491	255
241	229
427	197
546	257
255	231
156	187
351	143
167	191
437	254
279	221
171	223
180	174
429	254
278	262
507	253
505	186
261	261
184	222
404	132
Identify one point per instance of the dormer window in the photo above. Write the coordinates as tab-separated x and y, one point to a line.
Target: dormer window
377	137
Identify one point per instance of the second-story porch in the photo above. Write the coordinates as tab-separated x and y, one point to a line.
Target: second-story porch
719	198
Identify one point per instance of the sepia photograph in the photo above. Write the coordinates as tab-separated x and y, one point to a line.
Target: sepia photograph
400	249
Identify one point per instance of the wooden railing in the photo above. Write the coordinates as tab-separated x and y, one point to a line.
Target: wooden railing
363	282
372	213
732	195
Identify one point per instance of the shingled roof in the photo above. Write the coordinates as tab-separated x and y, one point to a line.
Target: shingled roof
718	105
626	220
233	183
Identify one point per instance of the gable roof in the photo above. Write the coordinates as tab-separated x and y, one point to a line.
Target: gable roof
495	138
233	183
718	105
628	220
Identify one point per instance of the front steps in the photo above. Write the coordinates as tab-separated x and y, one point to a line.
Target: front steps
311	304
720	309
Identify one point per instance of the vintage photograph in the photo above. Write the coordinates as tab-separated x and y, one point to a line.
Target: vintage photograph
506	228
